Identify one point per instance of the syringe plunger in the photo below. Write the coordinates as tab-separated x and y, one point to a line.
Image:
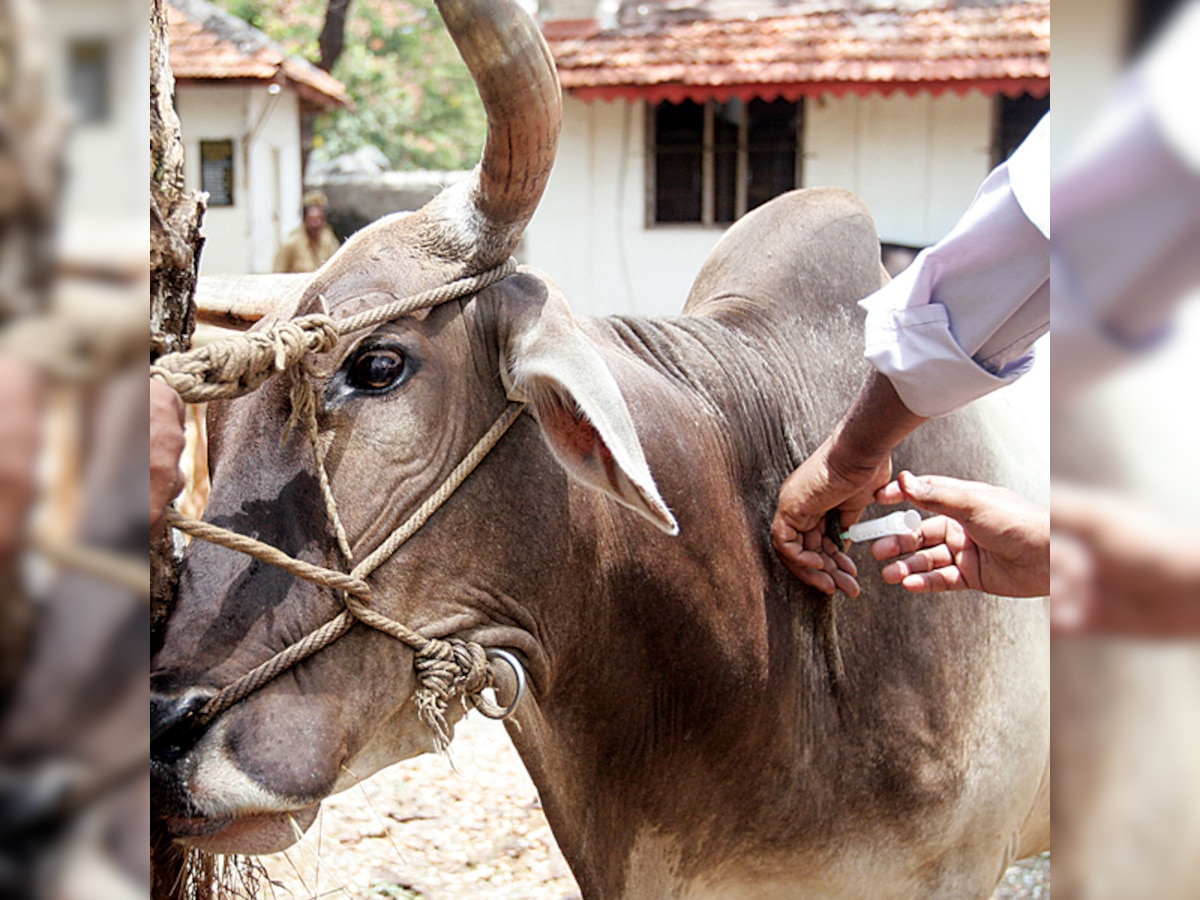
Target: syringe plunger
902	521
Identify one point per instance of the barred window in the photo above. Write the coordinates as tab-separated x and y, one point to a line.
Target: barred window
1015	118
711	163
88	77
216	171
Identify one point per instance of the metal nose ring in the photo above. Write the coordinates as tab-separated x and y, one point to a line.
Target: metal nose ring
513	663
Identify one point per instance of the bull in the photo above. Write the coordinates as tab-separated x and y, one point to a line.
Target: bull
698	723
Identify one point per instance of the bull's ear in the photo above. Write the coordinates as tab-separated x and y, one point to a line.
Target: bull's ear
548	362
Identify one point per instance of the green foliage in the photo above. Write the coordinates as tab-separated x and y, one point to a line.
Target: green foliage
245	9
416	101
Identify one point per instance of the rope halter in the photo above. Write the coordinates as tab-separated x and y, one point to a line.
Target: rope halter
445	668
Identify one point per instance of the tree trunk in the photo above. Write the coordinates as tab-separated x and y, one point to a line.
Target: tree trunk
175	243
333	34
331	41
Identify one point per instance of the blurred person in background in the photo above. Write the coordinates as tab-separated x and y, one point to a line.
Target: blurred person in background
20	442
74	780
309	246
1126	252
1125	572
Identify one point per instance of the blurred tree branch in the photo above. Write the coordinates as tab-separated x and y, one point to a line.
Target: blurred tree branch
333	34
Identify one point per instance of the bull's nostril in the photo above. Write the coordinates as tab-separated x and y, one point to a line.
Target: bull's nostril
173	726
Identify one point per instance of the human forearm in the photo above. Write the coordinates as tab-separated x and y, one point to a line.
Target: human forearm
1121	567
876	422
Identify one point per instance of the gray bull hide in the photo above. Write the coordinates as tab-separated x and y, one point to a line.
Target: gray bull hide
699	723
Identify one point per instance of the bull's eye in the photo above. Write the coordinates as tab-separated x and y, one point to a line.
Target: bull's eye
378	366
377	369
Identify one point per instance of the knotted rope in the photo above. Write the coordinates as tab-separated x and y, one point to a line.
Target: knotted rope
236	366
445	668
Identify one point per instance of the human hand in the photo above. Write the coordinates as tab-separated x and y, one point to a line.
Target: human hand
167	440
985	538
832	478
20	440
1118	566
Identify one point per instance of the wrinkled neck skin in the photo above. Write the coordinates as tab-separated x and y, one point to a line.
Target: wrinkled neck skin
668	659
651	642
674	679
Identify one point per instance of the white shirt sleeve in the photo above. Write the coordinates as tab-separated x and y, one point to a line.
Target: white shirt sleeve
1126	215
961	320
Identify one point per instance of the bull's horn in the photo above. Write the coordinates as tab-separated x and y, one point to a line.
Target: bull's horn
518	83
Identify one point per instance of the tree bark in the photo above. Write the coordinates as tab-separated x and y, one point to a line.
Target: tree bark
333	34
331	42
175	244
175	214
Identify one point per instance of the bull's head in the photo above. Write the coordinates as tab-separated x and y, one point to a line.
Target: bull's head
399	405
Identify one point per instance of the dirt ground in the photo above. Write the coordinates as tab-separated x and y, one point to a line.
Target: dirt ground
425	829
428	829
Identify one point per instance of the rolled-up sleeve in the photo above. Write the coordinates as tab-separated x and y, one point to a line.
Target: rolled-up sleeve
961	321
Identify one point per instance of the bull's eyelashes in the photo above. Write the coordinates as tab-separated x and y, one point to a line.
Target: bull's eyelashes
374	368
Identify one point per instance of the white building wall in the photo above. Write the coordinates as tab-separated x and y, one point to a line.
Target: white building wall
589	233
1090	39
218	114
916	161
274	173
106	193
265	130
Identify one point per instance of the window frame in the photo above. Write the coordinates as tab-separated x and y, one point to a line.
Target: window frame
708	173
1002	107
232	175
90	79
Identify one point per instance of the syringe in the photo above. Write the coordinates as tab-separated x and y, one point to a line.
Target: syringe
902	521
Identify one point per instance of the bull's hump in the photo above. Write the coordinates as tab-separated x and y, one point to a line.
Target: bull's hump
803	253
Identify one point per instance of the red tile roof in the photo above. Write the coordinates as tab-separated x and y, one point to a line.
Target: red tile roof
1002	48
209	44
